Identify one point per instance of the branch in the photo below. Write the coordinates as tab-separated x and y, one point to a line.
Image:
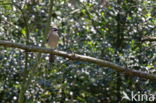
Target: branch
72	56
144	39
149	38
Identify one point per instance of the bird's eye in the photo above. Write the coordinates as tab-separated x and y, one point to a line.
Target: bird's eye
54	29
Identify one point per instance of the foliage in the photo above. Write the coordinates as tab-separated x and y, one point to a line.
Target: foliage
111	32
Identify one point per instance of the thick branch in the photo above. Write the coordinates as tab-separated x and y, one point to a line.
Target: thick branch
81	58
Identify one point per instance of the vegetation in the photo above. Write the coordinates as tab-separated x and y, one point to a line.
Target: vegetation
121	32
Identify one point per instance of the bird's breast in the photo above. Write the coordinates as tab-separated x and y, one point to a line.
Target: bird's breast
53	40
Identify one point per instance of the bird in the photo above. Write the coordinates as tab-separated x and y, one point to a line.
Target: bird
52	40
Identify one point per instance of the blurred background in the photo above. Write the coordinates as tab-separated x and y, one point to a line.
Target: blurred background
118	31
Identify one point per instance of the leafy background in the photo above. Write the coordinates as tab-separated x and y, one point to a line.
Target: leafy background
107	29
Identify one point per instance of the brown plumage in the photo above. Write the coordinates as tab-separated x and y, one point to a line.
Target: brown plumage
53	39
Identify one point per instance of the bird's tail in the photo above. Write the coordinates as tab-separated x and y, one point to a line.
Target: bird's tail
51	58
